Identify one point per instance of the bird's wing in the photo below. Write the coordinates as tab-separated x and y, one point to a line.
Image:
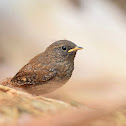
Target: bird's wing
30	75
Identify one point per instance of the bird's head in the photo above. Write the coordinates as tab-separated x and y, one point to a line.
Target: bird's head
62	50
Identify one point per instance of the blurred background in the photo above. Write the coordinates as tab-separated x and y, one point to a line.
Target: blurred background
27	27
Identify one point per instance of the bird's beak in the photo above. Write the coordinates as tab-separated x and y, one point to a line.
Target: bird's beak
75	49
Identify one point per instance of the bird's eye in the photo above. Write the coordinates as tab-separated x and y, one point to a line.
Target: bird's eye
63	48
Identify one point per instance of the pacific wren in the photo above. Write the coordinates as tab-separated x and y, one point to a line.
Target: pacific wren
48	70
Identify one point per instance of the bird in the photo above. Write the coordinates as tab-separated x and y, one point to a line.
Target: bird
48	70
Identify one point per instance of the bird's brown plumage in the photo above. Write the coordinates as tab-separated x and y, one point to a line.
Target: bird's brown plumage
48	70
